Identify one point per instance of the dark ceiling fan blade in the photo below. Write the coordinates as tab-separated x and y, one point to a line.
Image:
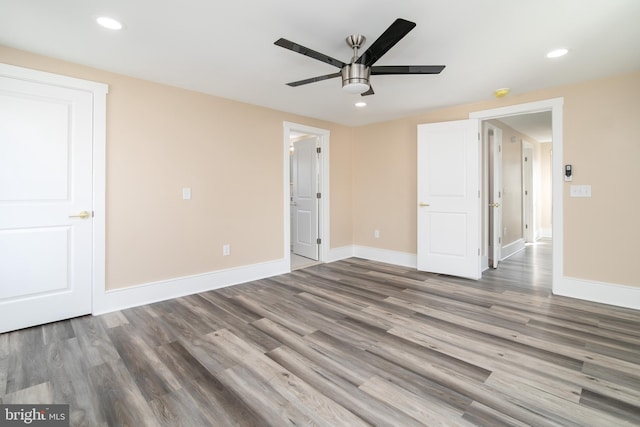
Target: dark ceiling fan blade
369	92
407	69
313	79
309	52
386	41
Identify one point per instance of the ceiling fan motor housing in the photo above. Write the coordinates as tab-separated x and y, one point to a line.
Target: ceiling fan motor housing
355	75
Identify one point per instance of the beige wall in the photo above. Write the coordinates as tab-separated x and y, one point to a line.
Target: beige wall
161	139
601	132
601	129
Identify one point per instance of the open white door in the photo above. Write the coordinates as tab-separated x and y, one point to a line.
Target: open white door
495	195
449	198
46	203
528	220
304	198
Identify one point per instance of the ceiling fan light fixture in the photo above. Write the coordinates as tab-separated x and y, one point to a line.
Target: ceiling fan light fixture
355	78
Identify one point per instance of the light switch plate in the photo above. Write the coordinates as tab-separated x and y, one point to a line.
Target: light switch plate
186	193
580	191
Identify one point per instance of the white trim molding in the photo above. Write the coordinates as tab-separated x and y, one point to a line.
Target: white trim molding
604	293
148	293
512	249
337	254
403	259
545	233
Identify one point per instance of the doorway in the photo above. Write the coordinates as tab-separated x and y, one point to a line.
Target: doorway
534	189
306	195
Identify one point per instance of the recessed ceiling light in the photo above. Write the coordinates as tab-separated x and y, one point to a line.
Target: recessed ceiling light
109	23
556	53
361	104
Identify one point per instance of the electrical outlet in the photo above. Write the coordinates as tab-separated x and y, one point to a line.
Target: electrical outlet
226	250
376	234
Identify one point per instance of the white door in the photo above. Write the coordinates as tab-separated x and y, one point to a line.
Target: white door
45	203
495	195
449	198
304	198
528	220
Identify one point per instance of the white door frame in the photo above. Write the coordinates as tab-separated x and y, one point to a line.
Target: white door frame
323	211
555	105
99	93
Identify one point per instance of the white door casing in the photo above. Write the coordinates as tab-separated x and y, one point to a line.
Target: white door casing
555	105
449	198
304	198
48	231
324	223
495	194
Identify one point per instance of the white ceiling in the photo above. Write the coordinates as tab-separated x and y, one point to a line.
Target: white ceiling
225	48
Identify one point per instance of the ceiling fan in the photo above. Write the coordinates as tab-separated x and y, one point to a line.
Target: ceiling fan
356	74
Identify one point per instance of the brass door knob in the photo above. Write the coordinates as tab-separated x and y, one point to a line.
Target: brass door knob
81	215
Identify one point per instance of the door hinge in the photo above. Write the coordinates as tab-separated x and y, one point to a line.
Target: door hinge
318	195
318	150
499	148
478	251
319	241
478	194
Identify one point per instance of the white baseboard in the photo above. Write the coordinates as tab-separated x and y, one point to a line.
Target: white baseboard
511	248
119	299
336	254
545	233
604	293
403	259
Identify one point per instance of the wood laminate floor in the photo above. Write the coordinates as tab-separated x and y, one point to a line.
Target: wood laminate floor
349	343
